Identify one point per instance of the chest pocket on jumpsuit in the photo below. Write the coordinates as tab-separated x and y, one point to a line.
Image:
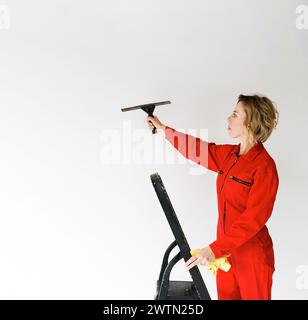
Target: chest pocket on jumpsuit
235	194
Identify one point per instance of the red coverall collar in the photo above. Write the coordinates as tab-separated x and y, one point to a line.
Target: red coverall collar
252	152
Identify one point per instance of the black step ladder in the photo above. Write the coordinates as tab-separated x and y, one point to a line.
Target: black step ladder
167	289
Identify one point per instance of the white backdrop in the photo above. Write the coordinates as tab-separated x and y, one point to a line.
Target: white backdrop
72	225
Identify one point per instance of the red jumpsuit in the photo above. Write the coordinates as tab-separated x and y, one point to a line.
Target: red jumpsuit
246	191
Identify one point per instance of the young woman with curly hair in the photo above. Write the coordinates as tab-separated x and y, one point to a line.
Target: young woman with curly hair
247	184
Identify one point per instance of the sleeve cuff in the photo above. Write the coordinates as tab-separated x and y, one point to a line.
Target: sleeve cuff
218	252
169	131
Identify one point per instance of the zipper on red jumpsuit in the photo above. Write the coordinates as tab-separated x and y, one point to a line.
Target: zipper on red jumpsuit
224	217
224	213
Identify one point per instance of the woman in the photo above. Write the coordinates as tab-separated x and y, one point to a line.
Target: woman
247	184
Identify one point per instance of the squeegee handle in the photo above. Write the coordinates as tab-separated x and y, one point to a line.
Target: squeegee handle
154	130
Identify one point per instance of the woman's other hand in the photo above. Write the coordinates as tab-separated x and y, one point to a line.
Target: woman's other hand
204	256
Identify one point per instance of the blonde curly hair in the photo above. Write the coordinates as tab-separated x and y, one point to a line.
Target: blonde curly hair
261	117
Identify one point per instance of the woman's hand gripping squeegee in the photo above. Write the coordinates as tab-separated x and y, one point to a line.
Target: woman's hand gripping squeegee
148	108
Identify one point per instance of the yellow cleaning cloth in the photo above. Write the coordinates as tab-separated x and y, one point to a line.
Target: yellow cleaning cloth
220	263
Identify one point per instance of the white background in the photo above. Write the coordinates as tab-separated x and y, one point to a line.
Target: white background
73	227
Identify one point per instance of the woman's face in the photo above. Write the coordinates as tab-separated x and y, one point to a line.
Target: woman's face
236	122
